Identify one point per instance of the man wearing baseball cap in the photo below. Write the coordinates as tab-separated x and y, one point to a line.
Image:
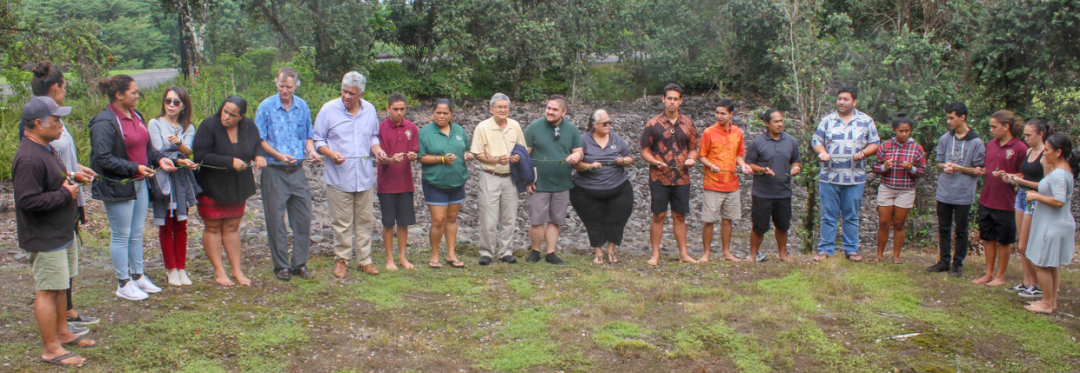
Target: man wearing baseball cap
45	203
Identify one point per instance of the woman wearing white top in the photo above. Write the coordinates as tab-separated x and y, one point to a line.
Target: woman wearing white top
172	133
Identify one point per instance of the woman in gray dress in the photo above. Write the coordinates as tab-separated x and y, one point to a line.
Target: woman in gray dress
1050	243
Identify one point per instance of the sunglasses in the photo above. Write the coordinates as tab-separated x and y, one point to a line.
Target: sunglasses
603	124
556	133
173	102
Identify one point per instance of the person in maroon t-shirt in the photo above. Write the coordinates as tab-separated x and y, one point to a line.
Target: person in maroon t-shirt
997	223
398	138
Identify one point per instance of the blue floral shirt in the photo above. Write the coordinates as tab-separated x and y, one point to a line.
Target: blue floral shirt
842	141
286	131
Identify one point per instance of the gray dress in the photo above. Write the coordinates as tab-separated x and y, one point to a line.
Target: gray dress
1050	243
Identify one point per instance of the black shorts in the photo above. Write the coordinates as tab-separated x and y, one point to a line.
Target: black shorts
397	209
765	209
678	196
997	225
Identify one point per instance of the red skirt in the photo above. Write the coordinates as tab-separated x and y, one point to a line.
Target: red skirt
209	209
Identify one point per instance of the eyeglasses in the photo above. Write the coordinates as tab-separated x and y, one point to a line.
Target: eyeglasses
173	102
556	133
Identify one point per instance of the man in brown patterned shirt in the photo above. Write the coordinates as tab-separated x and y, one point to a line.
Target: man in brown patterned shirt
670	144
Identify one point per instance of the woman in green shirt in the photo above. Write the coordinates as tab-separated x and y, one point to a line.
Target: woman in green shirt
444	174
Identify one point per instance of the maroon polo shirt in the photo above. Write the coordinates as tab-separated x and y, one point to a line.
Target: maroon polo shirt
135	135
996	194
403	138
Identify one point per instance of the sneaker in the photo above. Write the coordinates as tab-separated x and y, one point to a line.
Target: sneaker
145	285
553	259
1032	292
485	260
534	256
1018	288
78	330
83	320
939	267
131	292
509	259
184	280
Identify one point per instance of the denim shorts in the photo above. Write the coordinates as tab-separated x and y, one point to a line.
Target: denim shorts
436	196
1021	203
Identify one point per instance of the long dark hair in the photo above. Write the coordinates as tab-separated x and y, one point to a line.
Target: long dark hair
184	117
1041	128
45	76
1062	142
116	84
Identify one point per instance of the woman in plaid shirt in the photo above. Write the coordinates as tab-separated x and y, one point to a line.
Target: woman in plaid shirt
899	162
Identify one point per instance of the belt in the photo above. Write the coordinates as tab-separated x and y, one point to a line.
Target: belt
497	174
284	167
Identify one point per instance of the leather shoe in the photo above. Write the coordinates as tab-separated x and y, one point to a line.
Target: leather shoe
485	260
509	259
534	256
302	272
957	271
939	267
369	269
340	268
283	274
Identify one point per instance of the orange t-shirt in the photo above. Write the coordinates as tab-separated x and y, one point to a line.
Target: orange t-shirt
721	147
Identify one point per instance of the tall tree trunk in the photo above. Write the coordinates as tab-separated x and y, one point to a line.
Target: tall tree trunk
192	27
321	42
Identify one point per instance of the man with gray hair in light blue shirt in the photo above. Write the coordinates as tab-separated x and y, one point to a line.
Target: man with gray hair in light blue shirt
347	133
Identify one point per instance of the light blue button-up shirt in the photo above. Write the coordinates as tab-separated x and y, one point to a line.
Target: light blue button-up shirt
352	136
286	131
842	141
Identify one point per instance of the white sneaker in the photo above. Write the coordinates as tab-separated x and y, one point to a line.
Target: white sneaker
184	280
145	285
174	277
131	292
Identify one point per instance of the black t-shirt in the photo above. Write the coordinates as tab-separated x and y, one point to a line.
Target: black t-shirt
779	155
44	209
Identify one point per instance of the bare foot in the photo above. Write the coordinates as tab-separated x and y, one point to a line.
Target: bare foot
786	258
704	259
687	259
390	265
982	280
996	282
243	280
732	258
654	260
405	264
222	279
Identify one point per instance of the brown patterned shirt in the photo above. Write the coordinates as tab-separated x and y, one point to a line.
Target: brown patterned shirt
670	143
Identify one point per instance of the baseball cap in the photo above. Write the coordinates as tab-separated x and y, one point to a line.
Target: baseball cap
41	107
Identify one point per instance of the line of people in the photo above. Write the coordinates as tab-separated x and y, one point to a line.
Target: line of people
211	167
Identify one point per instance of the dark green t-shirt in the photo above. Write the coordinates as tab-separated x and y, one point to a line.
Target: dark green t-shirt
435	142
548	154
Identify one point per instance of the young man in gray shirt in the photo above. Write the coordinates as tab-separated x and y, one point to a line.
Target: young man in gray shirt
960	155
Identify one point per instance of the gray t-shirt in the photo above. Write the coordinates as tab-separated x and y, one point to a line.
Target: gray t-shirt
609	176
777	154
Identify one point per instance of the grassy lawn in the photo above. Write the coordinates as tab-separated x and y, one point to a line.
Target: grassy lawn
770	317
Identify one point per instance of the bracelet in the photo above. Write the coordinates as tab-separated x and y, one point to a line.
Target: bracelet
443	159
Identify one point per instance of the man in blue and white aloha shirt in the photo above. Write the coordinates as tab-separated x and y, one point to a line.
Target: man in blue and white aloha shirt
842	142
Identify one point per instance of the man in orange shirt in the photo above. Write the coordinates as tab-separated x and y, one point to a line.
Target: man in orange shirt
722	150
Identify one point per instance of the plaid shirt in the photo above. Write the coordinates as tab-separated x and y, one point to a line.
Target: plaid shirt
896	176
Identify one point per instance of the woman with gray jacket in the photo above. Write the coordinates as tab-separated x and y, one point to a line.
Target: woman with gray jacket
123	157
172	134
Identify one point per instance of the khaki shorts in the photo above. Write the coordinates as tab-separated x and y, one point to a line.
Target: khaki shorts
720	205
548	207
889	196
53	270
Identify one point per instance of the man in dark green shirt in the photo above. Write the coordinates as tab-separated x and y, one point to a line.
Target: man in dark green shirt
555	146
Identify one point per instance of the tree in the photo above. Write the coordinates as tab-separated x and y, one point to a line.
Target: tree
193	16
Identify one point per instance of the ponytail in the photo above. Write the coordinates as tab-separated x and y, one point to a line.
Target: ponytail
1062	142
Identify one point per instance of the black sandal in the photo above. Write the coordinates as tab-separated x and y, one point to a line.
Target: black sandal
75	343
59	360
456	264
852	257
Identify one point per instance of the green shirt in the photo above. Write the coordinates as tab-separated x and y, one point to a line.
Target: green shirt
548	155
434	142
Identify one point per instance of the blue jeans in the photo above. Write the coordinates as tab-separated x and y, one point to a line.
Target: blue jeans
127	221
839	201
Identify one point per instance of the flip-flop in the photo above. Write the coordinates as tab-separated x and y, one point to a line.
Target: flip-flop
456	264
75	343
59	360
874	260
897	261
1037	309
611	258
820	257
853	257
599	259
434	265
